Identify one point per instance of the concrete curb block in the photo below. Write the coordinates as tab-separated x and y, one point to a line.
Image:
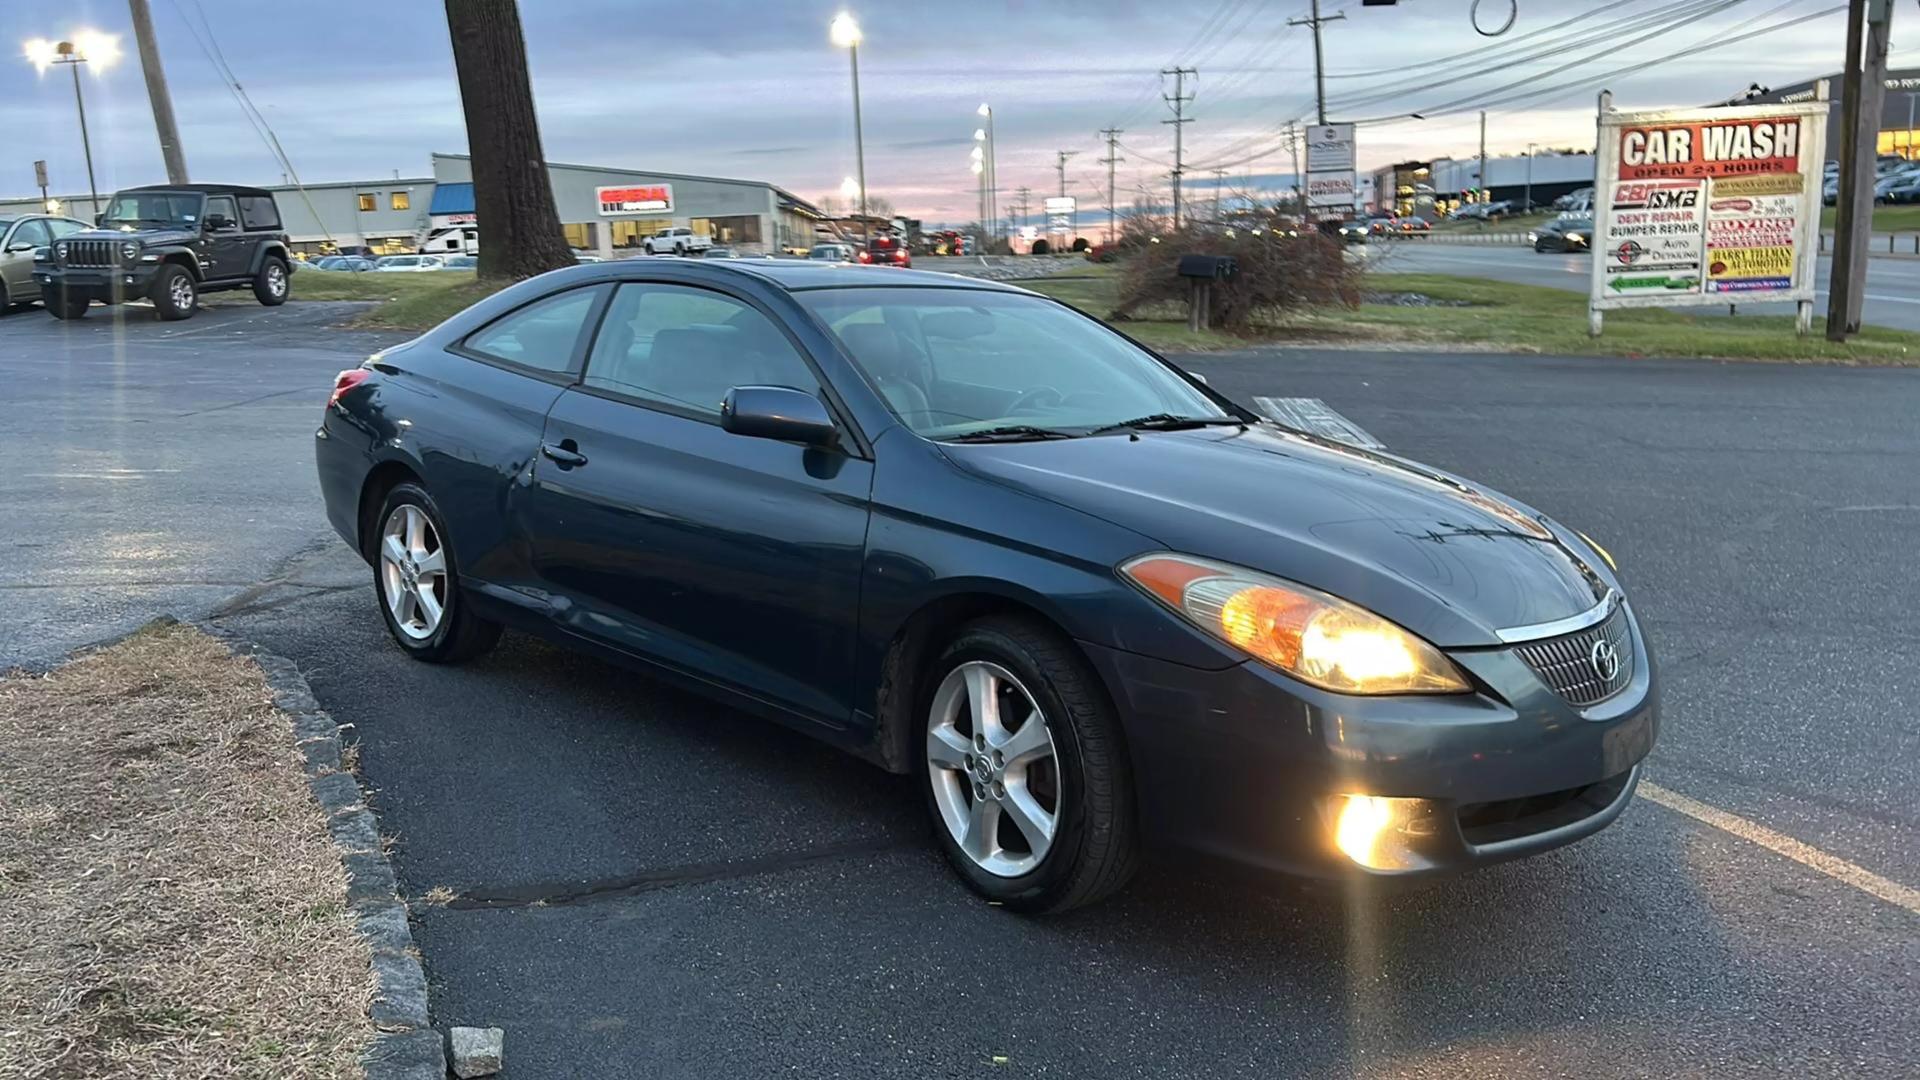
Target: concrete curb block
407	1047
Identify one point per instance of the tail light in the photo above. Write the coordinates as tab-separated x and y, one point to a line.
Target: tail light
900	256
866	256
346	381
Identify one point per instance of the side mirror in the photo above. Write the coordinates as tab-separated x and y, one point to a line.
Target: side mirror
778	412
14	248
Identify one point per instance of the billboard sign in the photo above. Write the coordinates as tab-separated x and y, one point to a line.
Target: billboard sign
635	199
1329	148
1707	206
1060	210
1330	191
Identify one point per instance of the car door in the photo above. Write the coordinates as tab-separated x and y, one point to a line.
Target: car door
731	558
16	258
229	248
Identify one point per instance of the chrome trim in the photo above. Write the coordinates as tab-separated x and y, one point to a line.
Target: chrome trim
1514	635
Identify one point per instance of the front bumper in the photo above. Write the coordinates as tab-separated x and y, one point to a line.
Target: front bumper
1247	765
112	284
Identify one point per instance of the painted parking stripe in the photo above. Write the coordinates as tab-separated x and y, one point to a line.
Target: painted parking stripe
1805	854
1313	415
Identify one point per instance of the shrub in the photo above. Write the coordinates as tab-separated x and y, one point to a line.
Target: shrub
1276	273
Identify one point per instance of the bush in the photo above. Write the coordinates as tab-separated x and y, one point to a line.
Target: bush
1275	274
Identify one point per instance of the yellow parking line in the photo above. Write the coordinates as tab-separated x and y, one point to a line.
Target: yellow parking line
1806	855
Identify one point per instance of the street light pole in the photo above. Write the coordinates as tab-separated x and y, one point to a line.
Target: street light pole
846	31
992	173
86	144
101	49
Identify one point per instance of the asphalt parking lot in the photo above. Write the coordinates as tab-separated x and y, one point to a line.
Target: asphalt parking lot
646	885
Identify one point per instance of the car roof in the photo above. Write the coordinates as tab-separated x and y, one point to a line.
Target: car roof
204	189
791	275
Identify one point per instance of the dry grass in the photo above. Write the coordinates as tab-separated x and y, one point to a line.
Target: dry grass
170	901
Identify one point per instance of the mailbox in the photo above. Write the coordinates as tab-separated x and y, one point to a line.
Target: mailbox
1208	267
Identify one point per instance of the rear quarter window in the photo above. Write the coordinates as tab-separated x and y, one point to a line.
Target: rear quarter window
259	212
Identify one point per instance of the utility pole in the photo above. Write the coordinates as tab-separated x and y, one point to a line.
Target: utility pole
1112	136
1319	60
1025	201
1483	156
1861	98
1060	164
1180	120
170	151
1293	144
1527	208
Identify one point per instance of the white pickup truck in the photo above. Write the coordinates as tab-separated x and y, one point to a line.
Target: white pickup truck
678	240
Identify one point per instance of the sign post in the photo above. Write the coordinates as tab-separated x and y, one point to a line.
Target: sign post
1707	206
40	178
1330	167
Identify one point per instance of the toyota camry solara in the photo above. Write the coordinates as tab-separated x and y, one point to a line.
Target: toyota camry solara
973	535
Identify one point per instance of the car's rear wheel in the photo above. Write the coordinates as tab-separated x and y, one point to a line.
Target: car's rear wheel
419	583
174	293
270	284
1025	770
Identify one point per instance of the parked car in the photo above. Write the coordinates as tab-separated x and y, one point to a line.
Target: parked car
22	240
583	257
678	240
831	253
1356	230
410	264
1893	178
974	536
886	251
344	263
1414	226
1383	225
170	244
721	253
1906	192
454	240
465	262
1563	234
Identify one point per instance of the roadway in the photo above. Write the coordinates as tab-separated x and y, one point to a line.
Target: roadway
1893	282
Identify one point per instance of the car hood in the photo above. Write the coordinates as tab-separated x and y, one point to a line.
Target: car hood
1447	559
146	237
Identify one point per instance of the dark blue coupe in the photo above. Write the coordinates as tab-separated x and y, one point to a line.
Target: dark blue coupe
971	534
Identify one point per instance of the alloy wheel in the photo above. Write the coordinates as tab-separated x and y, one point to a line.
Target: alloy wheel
276	279
413	572
994	769
181	293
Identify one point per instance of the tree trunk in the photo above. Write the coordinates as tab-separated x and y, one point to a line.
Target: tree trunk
512	193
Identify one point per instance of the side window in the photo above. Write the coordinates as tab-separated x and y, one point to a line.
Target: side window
259	212
687	347
542	335
222	205
30	232
62	227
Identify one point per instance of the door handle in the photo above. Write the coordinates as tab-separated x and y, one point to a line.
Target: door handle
564	455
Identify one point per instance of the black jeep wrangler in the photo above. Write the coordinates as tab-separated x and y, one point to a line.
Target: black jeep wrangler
170	244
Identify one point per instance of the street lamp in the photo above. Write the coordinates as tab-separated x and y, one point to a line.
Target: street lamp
845	33
993	171
87	46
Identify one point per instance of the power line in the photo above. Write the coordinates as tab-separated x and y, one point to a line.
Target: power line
1480	50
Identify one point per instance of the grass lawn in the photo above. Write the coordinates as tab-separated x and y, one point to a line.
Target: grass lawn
1499	316
406	301
1885	218
171	903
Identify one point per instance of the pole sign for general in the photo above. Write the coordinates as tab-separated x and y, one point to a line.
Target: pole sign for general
1707	206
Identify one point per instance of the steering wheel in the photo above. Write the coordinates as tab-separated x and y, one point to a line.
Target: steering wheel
1039	395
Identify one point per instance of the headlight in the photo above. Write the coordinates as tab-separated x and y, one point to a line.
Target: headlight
60	249
1576	238
1314	637
130	250
1603	552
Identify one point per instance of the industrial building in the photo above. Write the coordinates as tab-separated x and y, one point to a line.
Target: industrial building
602	209
1899	110
1430	188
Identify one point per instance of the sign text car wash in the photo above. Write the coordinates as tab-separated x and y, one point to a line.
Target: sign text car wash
1707	206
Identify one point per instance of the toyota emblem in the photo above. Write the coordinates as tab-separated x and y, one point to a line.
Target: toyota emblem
1605	660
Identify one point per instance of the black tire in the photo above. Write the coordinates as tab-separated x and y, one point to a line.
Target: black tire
680	250
172	299
269	289
64	305
1096	847
460	634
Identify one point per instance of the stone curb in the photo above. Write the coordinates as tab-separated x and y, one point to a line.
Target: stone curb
406	1047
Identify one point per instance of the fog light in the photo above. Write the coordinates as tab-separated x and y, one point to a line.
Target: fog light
1381	833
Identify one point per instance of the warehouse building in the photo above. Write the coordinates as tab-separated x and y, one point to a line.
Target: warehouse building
603	210
1899	110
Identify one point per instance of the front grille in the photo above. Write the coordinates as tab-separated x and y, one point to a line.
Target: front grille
1574	664
92	253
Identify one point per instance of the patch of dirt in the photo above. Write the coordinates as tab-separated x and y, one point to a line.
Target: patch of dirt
170	901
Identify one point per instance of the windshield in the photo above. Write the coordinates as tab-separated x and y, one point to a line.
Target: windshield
956	361
178	208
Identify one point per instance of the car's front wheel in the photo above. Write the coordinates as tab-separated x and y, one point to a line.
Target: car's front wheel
419	584
174	293
1025	769
65	305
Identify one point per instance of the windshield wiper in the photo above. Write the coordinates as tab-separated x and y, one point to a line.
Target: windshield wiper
1011	433
1167	422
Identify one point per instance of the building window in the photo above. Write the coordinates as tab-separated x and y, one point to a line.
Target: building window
400	200
367	202
578	236
744	229
632	232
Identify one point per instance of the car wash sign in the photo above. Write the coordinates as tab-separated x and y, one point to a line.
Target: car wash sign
1707	206
635	199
